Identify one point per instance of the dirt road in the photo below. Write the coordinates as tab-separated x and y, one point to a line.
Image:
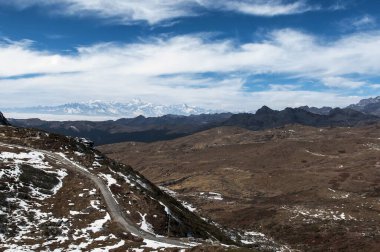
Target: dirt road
112	205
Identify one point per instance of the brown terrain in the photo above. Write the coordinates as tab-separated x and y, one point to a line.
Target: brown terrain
58	193
311	189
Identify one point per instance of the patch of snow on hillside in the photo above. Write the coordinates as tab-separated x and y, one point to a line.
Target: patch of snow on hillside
33	158
108	248
108	177
309	214
189	207
156	245
97	225
211	195
144	225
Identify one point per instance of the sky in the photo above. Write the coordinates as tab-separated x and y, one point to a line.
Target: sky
233	55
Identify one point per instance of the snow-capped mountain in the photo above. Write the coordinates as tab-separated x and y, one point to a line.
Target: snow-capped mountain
133	108
368	106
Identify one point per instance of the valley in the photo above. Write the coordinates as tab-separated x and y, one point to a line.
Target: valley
302	186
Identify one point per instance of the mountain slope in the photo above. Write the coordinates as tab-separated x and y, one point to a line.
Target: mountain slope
319	111
3	120
309	188
266	118
368	106
58	193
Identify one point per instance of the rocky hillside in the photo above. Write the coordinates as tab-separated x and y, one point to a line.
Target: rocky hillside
303	187
3	120
368	106
58	193
319	111
266	118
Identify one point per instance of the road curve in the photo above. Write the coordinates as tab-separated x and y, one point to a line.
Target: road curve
113	207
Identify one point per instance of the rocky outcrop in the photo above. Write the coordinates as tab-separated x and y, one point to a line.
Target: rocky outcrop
3	120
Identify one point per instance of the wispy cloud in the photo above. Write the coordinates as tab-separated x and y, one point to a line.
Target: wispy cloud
189	68
267	8
364	22
153	11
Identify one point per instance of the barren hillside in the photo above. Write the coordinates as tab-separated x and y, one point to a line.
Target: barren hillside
302	186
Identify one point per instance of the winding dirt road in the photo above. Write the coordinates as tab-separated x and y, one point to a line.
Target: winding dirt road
113	207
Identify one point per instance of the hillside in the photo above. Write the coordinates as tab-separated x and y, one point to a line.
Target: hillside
3	120
301	186
141	129
368	106
58	193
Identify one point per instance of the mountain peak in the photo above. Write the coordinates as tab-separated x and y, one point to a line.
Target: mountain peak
264	110
3	120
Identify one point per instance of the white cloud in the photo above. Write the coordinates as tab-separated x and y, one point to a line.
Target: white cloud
364	22
341	82
264	7
283	87
153	11
178	69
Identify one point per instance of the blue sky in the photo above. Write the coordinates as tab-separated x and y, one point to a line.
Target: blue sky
233	55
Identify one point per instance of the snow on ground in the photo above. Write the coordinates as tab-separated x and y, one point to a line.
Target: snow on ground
108	248
96	164
144	225
132	181
33	158
372	146
309	214
36	160
156	245
251	237
97	225
79	154
338	195
315	154
95	204
211	195
108	178
172	193
189	207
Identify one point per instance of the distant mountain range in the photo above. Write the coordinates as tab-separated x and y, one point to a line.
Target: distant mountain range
142	129
266	118
369	106
131	109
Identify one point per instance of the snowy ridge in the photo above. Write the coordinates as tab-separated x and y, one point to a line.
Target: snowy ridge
130	109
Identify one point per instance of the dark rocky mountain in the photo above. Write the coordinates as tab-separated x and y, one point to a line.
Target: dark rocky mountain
319	111
368	106
3	120
266	118
140	129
